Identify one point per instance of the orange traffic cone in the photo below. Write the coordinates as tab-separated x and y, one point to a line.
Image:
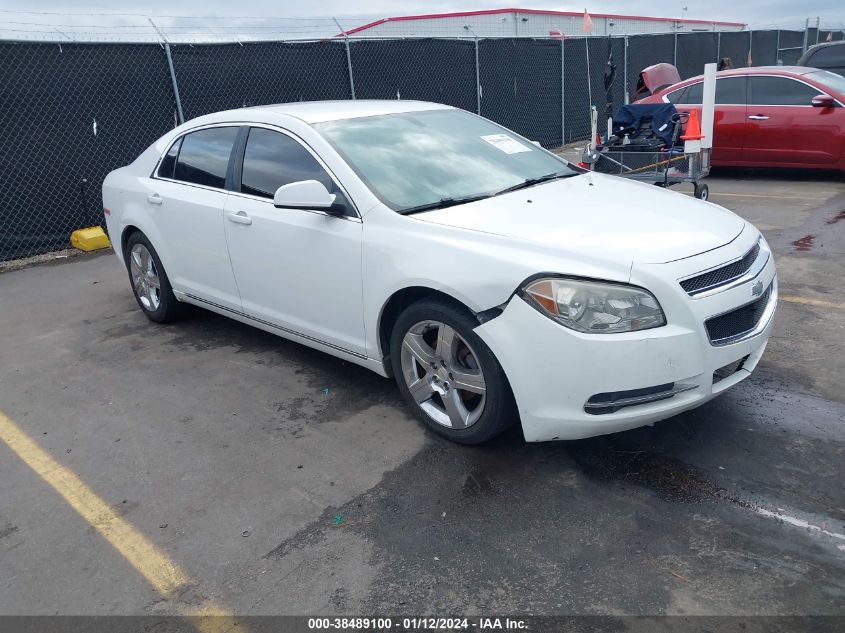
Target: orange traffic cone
693	128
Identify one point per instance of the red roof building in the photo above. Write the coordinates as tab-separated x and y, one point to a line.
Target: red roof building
530	23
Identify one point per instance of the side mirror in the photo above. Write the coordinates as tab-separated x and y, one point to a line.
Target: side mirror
307	194
823	101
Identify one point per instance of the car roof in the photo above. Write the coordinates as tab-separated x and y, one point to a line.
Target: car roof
321	111
824	45
741	72
787	70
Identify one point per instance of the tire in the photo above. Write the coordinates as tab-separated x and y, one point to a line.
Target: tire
702	192
145	270
448	376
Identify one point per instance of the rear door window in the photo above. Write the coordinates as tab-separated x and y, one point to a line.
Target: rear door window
729	91
693	94
168	163
780	91
676	95
204	156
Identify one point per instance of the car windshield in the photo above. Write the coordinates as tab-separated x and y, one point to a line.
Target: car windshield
829	80
422	160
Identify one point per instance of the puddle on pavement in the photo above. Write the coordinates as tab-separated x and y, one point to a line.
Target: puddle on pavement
804	244
476	483
669	479
125	330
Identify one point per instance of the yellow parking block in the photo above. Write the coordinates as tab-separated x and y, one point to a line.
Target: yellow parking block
90	239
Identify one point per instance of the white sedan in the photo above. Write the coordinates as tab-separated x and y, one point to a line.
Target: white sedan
495	281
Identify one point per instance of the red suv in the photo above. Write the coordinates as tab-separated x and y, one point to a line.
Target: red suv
771	116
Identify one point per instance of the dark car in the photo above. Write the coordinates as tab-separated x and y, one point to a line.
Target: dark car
828	56
771	116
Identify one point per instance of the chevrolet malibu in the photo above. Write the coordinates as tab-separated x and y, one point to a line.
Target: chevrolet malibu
493	280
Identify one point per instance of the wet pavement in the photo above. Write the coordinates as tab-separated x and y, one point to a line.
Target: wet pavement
286	481
658	520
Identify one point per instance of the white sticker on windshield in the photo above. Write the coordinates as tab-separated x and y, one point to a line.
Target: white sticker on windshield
505	143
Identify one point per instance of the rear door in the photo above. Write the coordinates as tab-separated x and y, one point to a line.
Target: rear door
783	126
729	119
187	199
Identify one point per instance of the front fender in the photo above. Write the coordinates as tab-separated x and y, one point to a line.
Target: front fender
479	270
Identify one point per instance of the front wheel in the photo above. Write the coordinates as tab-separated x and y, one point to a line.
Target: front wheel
448	375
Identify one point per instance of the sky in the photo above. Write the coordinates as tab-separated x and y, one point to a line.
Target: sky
127	19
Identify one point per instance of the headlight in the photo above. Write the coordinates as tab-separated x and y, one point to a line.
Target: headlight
595	307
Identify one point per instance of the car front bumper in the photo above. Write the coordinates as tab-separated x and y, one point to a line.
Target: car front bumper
554	372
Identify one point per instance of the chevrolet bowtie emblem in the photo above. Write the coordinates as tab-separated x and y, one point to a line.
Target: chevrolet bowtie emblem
757	289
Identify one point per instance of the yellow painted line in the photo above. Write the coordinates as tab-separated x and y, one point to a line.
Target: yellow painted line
812	302
165	576
209	618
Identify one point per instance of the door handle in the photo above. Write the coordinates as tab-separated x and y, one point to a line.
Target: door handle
239	218
759	117
154	198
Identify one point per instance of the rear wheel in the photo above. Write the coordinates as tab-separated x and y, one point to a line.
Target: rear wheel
149	281
449	377
702	192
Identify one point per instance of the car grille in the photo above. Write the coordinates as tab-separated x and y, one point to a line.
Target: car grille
721	276
734	324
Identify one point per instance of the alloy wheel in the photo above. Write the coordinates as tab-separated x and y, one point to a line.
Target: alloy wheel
145	279
443	374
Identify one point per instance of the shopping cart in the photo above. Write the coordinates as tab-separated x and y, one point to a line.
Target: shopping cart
664	166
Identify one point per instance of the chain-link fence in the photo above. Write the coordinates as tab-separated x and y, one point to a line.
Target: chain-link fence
72	112
68	116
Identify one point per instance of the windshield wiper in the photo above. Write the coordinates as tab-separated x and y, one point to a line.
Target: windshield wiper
530	182
441	204
451	202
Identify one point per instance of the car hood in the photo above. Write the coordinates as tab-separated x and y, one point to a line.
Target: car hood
601	216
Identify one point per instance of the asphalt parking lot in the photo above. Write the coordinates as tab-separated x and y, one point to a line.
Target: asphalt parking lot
208	465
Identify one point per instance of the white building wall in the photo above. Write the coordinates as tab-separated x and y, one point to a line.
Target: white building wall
529	25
